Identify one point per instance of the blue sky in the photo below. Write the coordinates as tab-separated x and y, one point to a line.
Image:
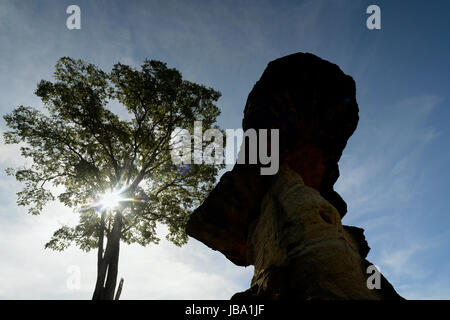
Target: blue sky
394	174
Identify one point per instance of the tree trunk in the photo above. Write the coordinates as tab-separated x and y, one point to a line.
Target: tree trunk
108	264
113	268
100	272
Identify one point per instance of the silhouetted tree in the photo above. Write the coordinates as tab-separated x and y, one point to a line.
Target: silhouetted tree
79	144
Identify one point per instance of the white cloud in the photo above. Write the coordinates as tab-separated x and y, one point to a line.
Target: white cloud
381	178
401	261
27	271
161	271
381	169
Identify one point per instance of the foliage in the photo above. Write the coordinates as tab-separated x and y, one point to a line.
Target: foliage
79	144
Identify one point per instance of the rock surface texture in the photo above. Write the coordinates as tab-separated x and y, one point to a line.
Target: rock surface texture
289	225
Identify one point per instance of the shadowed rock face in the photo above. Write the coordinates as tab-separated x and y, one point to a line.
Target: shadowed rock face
313	104
301	250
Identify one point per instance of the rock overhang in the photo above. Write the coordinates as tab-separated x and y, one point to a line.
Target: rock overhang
313	104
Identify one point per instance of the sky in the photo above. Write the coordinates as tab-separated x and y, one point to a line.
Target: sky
394	174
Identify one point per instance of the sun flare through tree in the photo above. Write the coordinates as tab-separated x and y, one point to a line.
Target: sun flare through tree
116	173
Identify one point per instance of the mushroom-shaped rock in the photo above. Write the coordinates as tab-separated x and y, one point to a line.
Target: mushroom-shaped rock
313	104
288	225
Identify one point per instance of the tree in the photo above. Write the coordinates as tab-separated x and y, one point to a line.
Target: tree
116	171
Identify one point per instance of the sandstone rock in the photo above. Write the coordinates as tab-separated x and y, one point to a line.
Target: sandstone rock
300	249
313	104
289	225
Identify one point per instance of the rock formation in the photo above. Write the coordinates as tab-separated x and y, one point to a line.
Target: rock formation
289	225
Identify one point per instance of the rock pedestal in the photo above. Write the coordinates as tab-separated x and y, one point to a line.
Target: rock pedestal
289	225
301	250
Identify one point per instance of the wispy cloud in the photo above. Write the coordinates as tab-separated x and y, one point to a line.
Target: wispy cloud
27	271
381	180
227	46
401	261
381	168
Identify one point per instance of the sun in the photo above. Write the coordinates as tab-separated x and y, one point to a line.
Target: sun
110	200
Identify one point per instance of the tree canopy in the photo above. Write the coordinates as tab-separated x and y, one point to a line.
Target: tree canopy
78	143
